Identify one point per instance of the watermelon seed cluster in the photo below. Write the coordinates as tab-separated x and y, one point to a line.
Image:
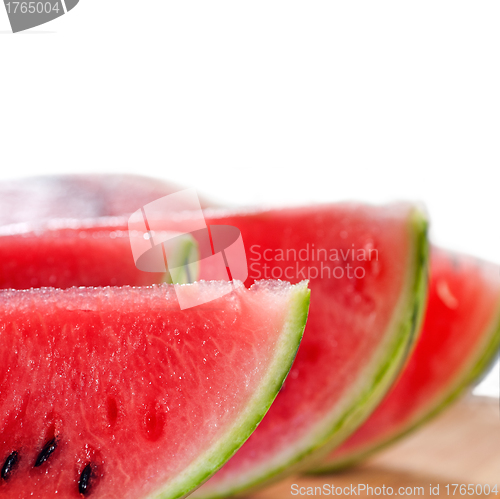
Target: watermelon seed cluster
84	483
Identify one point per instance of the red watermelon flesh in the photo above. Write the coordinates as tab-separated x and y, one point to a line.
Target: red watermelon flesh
359	328
460	337
77	196
116	393
78	253
364	327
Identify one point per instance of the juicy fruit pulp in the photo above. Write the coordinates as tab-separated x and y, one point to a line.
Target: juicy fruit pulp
460	335
69	253
360	326
117	393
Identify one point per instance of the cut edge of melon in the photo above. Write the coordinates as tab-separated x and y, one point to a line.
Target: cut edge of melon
402	335
215	457
186	254
486	353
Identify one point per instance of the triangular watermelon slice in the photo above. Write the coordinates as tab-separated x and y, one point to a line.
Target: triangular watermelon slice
460	337
116	393
367	271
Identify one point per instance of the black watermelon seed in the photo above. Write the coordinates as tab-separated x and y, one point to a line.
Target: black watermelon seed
49	448
84	482
9	465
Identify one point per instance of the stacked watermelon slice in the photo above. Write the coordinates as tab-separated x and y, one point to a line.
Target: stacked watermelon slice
109	389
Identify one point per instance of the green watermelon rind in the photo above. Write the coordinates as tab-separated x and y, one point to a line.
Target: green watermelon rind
186	251
213	459
486	355
406	326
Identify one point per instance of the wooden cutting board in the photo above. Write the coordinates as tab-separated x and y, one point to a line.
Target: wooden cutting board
462	446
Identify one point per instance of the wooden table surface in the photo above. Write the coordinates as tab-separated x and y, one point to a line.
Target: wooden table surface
460	446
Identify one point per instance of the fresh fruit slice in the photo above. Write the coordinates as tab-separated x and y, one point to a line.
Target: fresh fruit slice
460	337
116	393
81	253
363	323
367	271
77	196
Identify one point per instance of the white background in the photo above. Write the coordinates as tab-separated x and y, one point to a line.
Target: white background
267	101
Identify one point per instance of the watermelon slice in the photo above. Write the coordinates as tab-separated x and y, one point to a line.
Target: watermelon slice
77	196
116	393
367	271
460	337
